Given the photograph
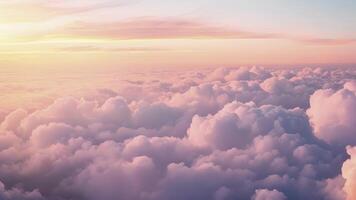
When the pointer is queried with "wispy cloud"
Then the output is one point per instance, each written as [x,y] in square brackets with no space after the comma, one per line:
[328,41]
[38,10]
[156,28]
[175,28]
[90,48]
[149,28]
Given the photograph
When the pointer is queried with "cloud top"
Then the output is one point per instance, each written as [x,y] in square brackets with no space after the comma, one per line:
[244,133]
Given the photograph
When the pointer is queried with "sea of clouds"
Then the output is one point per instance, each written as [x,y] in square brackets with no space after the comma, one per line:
[223,134]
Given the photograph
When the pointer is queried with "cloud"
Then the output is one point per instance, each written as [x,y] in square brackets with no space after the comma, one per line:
[236,125]
[263,194]
[155,28]
[349,173]
[20,9]
[93,48]
[58,20]
[332,115]
[16,193]
[326,41]
[176,28]
[229,133]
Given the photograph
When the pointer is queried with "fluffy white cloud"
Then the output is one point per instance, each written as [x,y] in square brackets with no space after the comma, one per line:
[263,194]
[333,115]
[237,124]
[349,173]
[245,133]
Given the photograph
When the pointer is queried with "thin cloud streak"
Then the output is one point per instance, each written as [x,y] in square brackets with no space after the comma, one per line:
[328,41]
[90,48]
[156,28]
[53,9]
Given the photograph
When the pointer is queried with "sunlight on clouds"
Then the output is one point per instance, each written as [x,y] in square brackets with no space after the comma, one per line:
[213,134]
[143,100]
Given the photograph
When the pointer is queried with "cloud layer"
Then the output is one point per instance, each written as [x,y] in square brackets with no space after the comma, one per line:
[244,133]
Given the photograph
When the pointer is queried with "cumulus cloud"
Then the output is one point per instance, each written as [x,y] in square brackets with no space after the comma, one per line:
[349,173]
[263,194]
[236,125]
[16,193]
[332,114]
[245,133]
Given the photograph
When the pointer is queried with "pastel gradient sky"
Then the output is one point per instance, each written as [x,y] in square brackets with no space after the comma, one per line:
[169,33]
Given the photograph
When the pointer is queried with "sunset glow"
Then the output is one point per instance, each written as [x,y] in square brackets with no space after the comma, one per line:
[177,100]
[240,32]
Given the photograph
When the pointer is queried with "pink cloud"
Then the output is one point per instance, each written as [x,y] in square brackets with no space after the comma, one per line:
[155,28]
[328,41]
[349,173]
[55,8]
[89,48]
[175,28]
[333,112]
[181,135]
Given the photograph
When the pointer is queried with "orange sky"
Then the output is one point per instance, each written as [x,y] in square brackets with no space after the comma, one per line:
[121,34]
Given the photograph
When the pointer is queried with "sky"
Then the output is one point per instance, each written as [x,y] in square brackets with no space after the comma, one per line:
[122,34]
